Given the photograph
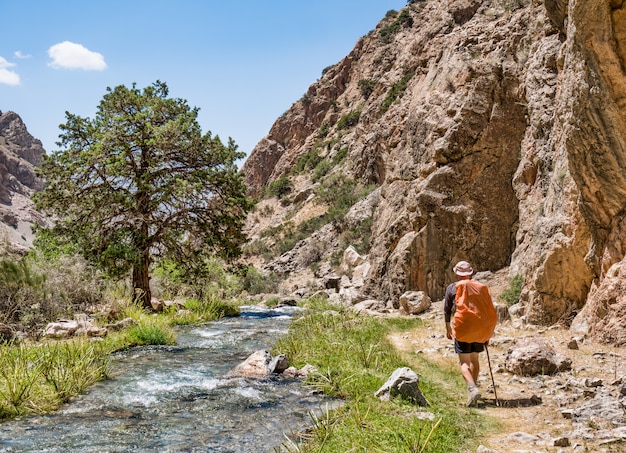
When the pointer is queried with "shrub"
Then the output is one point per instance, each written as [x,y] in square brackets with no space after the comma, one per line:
[358,236]
[321,169]
[396,91]
[256,283]
[366,86]
[349,119]
[403,20]
[281,187]
[308,161]
[340,156]
[341,193]
[323,130]
[512,293]
[39,288]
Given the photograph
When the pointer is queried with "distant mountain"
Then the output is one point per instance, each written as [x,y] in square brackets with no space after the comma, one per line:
[493,131]
[20,153]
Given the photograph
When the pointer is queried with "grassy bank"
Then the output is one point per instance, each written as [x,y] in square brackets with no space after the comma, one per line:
[38,378]
[354,359]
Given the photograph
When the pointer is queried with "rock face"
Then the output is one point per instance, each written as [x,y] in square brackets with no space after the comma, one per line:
[495,133]
[20,153]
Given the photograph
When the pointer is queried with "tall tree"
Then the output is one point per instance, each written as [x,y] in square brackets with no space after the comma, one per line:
[140,182]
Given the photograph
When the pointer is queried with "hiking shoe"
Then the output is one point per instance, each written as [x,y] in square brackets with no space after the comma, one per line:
[473,396]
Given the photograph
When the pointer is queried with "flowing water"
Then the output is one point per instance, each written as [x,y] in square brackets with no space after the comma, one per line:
[174,399]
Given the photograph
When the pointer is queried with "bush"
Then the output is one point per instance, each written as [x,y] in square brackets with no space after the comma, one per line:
[340,156]
[404,20]
[321,169]
[349,120]
[512,293]
[308,161]
[37,289]
[256,283]
[396,91]
[281,187]
[366,86]
[323,130]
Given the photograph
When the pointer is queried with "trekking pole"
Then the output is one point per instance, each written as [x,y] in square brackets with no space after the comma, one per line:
[492,379]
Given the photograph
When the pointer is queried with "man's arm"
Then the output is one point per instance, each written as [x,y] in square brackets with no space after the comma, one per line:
[448,306]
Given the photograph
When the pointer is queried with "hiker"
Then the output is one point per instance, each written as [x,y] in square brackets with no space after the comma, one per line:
[469,305]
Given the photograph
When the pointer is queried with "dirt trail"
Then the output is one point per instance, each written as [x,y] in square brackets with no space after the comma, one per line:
[526,425]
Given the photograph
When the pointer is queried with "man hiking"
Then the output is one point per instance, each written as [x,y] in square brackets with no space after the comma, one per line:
[469,306]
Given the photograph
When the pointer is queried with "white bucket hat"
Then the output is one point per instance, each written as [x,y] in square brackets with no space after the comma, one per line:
[463,269]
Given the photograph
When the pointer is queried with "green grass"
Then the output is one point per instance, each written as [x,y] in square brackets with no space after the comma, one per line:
[38,378]
[354,359]
[208,309]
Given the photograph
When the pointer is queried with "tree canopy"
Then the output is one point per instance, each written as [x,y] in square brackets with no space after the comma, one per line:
[140,182]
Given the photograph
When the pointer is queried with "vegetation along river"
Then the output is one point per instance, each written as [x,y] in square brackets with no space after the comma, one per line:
[174,399]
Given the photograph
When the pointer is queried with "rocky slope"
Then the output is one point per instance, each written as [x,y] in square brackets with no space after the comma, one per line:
[494,131]
[20,153]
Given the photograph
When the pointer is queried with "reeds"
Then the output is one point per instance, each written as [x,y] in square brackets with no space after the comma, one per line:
[38,379]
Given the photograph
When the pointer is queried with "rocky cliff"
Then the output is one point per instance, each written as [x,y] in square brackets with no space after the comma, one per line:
[20,153]
[494,131]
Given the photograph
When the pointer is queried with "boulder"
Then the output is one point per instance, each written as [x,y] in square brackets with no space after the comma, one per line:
[503,312]
[351,258]
[370,305]
[256,365]
[533,356]
[332,282]
[414,302]
[260,364]
[61,329]
[302,373]
[403,382]
[66,328]
[278,364]
[122,324]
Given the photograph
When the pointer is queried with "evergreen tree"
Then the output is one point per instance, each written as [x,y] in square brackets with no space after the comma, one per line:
[140,182]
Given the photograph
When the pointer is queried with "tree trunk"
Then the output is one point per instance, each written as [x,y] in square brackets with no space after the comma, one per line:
[141,282]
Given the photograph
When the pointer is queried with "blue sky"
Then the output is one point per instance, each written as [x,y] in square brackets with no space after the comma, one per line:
[243,63]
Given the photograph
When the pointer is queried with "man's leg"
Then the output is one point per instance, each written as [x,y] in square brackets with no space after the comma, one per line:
[474,366]
[468,366]
[469,369]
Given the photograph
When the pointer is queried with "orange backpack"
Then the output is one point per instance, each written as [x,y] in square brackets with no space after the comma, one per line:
[475,317]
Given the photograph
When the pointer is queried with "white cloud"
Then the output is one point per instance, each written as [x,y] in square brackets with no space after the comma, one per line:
[69,55]
[20,55]
[7,76]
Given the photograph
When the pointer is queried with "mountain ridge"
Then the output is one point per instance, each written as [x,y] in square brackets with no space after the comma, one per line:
[20,154]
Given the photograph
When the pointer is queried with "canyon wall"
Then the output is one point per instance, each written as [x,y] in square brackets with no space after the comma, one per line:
[496,133]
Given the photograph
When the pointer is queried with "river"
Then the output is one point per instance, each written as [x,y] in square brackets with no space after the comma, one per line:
[174,399]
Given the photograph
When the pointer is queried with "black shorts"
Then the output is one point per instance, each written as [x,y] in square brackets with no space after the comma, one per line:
[461,347]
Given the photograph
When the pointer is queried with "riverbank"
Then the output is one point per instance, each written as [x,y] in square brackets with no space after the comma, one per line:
[38,377]
[354,357]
